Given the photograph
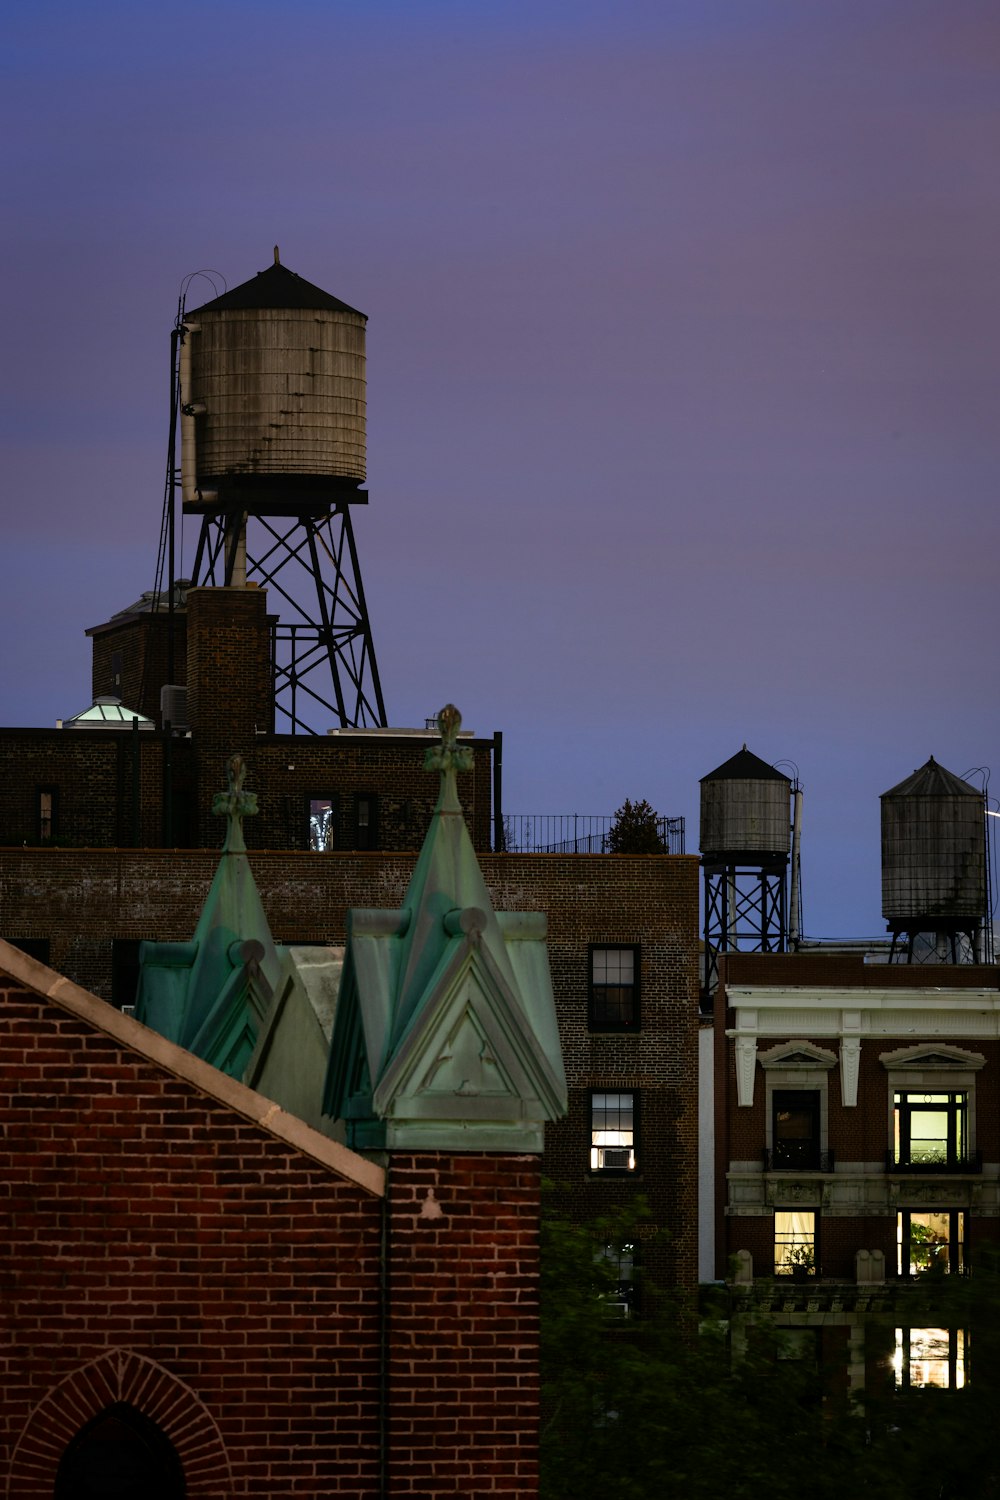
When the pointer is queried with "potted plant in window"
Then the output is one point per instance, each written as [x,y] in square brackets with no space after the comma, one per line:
[801,1262]
[928,1250]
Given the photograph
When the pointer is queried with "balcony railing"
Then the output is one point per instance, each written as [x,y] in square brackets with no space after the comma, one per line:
[793,1157]
[576,833]
[956,1165]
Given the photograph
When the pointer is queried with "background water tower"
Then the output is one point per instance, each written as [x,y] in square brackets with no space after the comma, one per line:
[935,873]
[745,839]
[270,386]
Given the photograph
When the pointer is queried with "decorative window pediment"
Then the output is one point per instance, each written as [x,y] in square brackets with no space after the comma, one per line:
[797,1055]
[932,1055]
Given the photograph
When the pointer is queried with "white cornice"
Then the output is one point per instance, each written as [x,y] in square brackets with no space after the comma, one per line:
[924,1013]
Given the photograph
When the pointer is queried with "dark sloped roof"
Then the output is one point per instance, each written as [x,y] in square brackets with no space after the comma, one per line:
[275,287]
[932,780]
[745,766]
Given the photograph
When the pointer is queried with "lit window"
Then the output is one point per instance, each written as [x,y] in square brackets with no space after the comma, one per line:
[932,1242]
[930,1357]
[931,1130]
[612,1132]
[794,1242]
[322,824]
[614,989]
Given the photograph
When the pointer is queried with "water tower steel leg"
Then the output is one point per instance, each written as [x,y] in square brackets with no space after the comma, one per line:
[368,647]
[326,633]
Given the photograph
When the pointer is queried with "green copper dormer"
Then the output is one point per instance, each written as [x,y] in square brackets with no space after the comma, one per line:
[445,1035]
[210,995]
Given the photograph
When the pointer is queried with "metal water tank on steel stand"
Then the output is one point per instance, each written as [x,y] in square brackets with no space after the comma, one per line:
[745,838]
[272,400]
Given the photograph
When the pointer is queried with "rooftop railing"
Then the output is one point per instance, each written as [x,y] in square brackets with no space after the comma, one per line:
[576,833]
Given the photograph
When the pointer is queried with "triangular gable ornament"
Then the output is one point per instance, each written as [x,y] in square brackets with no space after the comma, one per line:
[437,1043]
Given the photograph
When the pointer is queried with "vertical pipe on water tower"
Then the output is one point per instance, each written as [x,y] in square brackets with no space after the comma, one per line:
[794,925]
[188,482]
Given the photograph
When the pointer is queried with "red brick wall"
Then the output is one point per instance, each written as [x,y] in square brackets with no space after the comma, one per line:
[241,1278]
[162,1249]
[82,902]
[142,641]
[463,1298]
[92,770]
[651,900]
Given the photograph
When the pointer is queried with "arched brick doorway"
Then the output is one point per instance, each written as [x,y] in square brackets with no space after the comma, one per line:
[142,1397]
[120,1455]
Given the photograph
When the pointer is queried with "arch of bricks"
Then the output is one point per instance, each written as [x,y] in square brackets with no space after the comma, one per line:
[119,1375]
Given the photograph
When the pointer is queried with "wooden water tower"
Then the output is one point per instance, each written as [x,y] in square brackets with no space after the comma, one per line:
[935,872]
[744,839]
[271,392]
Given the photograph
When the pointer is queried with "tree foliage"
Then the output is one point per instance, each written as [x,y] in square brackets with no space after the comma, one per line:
[635,830]
[656,1408]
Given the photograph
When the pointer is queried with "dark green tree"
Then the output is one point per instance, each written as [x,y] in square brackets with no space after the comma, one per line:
[635,830]
[652,1407]
[655,1407]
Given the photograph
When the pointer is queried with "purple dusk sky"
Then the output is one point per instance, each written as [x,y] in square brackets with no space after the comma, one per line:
[683,359]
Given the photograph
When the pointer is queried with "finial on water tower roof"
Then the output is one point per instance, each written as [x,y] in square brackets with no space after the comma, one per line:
[277,256]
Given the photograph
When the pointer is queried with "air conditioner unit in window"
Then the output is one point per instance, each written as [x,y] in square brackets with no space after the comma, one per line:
[616,1157]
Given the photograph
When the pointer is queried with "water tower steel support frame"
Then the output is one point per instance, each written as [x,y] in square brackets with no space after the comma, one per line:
[954,944]
[329,642]
[268,387]
[746,911]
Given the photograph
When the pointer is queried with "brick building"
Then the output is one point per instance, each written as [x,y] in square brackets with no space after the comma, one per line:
[204,1297]
[857,1137]
[87,915]
[99,789]
[341,816]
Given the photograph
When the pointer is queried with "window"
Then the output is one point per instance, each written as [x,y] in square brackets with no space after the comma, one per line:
[930,1242]
[931,1130]
[618,1265]
[794,1242]
[366,821]
[612,1132]
[795,1128]
[116,673]
[930,1357]
[322,824]
[34,947]
[614,988]
[47,812]
[125,971]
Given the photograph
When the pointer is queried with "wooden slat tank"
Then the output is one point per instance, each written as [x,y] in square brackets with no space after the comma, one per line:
[277,383]
[744,810]
[933,848]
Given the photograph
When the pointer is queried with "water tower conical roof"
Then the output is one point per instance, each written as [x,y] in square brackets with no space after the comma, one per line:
[275,288]
[745,766]
[932,780]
